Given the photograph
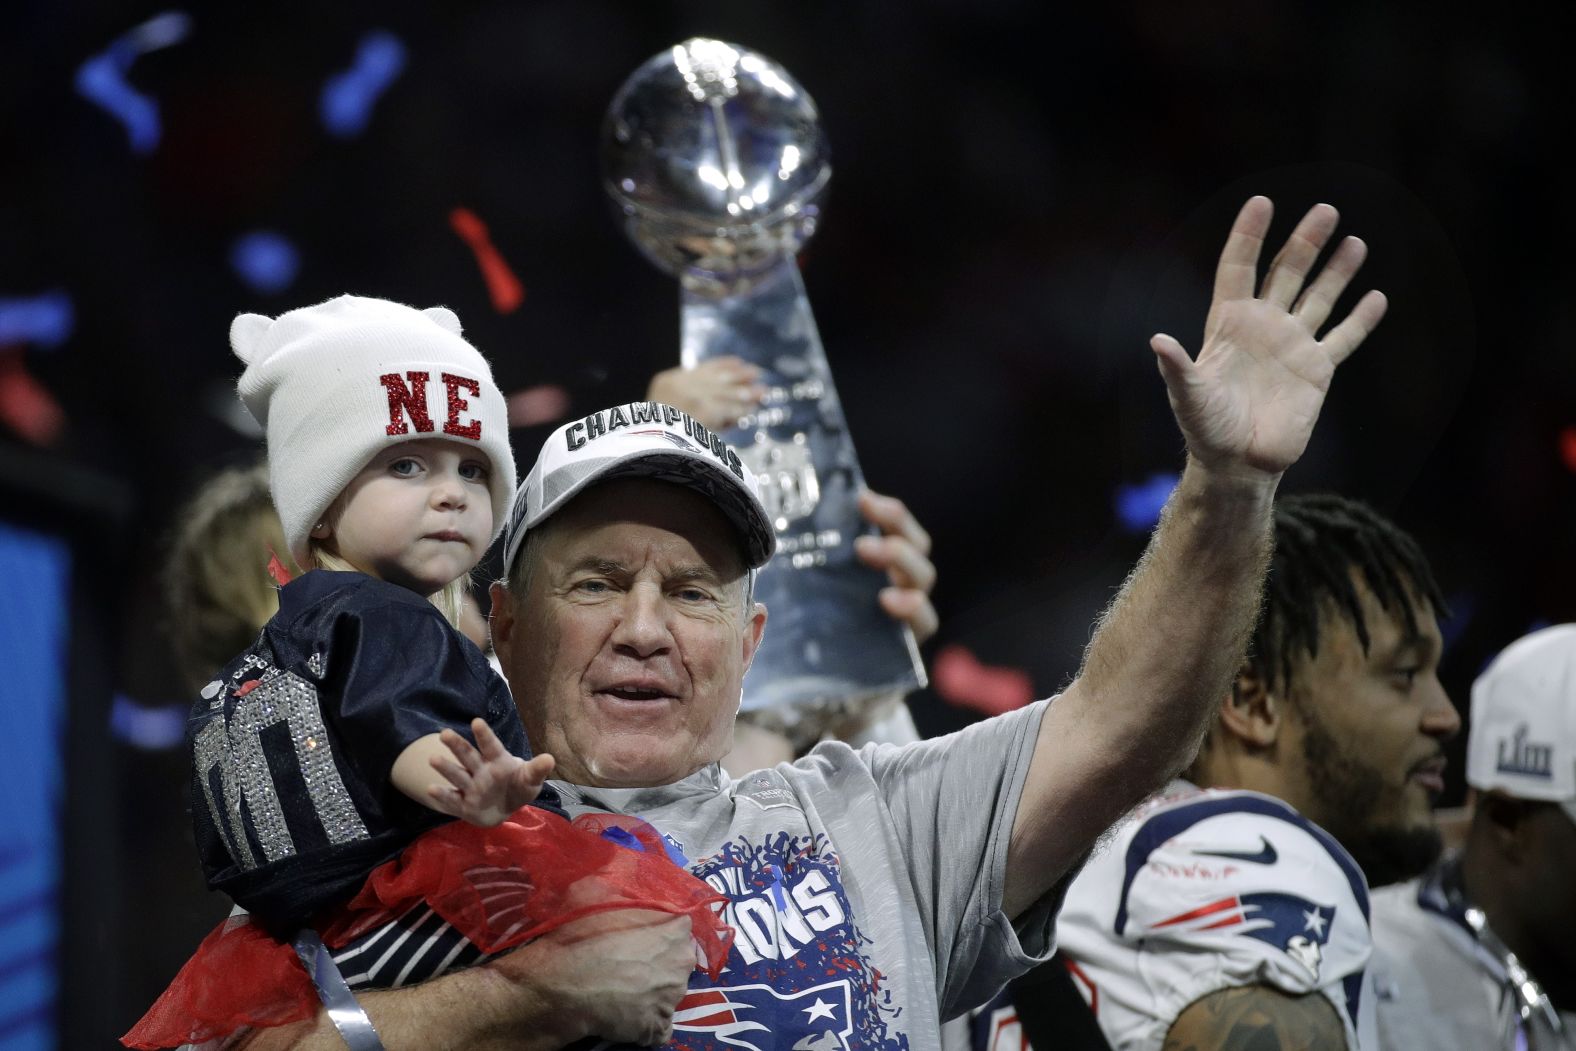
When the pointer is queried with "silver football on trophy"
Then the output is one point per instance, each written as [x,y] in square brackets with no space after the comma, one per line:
[717,160]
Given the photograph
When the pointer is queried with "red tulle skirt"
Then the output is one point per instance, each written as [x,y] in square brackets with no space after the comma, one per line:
[499,887]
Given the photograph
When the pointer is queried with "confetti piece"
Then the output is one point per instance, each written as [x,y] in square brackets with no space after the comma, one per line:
[44,320]
[1568,448]
[623,838]
[502,285]
[1138,506]
[348,98]
[962,680]
[266,261]
[150,729]
[25,406]
[101,79]
[277,569]
[545,404]
[777,887]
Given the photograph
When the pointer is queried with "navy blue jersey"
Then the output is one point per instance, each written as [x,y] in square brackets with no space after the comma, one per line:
[293,745]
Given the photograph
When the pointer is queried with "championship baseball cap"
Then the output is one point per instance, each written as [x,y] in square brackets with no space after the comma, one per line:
[1523,736]
[644,439]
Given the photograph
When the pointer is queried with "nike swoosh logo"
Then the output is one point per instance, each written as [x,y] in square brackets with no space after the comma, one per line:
[1266,856]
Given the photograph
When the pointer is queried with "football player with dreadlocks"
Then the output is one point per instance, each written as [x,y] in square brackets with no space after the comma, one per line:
[1228,910]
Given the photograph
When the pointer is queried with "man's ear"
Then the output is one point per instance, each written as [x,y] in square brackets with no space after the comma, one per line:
[754,629]
[1252,712]
[500,622]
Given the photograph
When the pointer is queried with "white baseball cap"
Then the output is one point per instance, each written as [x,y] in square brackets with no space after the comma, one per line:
[1523,736]
[644,439]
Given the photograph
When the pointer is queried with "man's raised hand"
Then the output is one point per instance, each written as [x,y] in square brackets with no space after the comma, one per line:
[1250,399]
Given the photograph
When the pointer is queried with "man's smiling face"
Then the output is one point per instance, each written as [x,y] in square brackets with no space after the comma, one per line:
[627,652]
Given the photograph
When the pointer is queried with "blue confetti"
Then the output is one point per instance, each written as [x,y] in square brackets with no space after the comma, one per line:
[266,261]
[777,887]
[1138,506]
[623,838]
[102,78]
[150,729]
[45,320]
[348,97]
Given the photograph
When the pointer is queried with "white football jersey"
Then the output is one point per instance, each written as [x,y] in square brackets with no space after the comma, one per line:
[1201,890]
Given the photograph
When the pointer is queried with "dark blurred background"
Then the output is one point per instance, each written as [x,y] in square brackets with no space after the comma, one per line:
[1023,193]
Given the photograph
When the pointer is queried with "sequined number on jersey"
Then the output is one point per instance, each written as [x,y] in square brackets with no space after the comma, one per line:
[247,771]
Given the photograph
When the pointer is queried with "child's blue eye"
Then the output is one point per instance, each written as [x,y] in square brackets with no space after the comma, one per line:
[404,467]
[473,472]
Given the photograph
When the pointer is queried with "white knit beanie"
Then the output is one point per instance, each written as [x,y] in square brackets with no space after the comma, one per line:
[333,384]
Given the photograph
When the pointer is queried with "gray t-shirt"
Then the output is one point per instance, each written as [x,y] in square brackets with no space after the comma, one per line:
[865,886]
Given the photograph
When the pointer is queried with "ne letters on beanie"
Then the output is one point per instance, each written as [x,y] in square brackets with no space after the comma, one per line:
[335,383]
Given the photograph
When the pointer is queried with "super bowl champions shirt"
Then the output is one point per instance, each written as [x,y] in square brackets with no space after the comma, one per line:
[865,887]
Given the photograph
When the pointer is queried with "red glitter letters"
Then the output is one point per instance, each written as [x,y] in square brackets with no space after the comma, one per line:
[458,404]
[412,400]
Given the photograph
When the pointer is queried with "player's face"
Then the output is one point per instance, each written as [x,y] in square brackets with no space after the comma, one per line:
[419,515]
[628,651]
[1370,728]
[1547,904]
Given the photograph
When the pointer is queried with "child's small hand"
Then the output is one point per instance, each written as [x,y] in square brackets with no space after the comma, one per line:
[486,783]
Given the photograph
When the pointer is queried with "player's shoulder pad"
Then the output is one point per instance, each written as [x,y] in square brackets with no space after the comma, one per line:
[1227,844]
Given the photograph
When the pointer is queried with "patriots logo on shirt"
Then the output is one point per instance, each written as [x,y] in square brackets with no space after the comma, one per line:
[804,979]
[756,1017]
[1296,926]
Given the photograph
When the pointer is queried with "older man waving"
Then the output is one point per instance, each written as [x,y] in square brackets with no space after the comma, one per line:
[874,892]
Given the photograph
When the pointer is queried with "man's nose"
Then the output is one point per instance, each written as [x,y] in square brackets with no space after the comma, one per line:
[1440,718]
[642,629]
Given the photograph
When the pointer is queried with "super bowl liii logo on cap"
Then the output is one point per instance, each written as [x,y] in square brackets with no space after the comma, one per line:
[608,421]
[411,401]
[1524,757]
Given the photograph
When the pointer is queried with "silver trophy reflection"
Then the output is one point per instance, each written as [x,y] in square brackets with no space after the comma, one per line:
[716,159]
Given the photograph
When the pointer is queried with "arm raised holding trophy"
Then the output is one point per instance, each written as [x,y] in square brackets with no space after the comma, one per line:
[640,569]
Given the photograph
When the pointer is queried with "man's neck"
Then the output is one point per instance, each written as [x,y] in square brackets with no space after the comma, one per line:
[1549,961]
[1232,768]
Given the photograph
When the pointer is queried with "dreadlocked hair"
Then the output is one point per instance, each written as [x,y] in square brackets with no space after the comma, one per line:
[1319,540]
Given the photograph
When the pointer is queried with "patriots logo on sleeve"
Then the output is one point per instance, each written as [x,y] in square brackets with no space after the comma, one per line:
[1296,926]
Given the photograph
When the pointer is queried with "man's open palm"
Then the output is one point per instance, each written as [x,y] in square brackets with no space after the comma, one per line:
[1251,398]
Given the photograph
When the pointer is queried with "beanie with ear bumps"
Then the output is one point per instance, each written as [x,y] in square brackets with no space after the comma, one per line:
[333,384]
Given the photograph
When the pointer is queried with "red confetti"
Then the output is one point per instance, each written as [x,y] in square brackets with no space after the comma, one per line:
[505,289]
[1568,448]
[544,404]
[25,406]
[962,680]
[247,688]
[276,568]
